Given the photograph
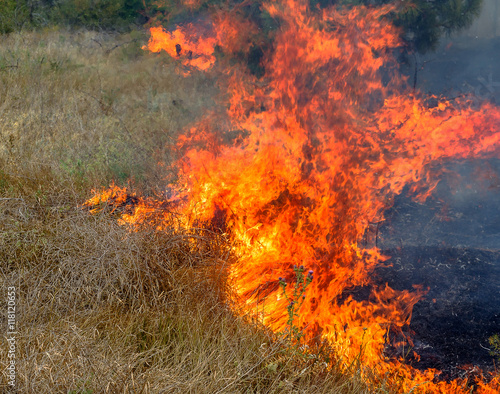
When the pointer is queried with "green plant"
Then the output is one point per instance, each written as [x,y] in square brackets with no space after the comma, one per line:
[13,15]
[295,301]
[102,14]
[317,357]
[495,346]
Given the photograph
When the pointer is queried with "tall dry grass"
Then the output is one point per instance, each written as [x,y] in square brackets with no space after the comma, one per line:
[100,308]
[92,107]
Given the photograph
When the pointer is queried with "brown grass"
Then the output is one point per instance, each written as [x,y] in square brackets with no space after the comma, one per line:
[93,107]
[104,309]
[100,308]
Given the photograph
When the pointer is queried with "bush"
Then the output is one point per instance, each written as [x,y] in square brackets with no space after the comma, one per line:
[97,14]
[13,15]
[92,14]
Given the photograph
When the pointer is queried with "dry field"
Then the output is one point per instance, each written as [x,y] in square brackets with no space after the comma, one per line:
[99,308]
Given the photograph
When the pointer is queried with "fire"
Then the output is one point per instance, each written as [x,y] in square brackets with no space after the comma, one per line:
[328,137]
[195,53]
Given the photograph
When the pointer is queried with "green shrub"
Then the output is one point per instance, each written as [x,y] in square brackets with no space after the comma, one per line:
[13,15]
[94,14]
[495,346]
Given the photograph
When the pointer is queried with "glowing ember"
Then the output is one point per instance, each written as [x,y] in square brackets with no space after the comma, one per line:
[328,140]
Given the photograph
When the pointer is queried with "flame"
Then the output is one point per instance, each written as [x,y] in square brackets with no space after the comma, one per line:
[328,137]
[192,4]
[194,51]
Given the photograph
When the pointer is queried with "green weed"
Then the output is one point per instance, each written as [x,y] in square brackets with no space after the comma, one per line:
[295,301]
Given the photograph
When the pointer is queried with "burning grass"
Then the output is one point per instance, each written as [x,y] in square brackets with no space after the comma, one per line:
[102,309]
[330,135]
[324,142]
[289,179]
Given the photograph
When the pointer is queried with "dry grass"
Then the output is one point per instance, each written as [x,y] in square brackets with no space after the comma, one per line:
[102,309]
[108,310]
[92,107]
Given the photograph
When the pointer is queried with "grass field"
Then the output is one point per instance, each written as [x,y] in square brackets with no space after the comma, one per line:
[99,308]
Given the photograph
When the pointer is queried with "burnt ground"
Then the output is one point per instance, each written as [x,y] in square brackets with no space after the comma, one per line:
[450,244]
[461,310]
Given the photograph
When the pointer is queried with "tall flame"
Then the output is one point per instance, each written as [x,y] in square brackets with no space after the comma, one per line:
[307,157]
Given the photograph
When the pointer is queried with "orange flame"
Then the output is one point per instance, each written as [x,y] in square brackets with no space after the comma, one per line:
[327,141]
[194,51]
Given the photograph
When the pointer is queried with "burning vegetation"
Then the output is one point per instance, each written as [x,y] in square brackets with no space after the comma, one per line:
[297,162]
